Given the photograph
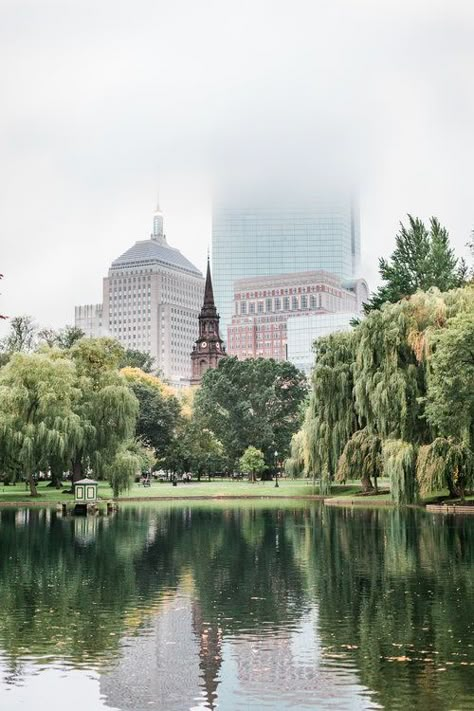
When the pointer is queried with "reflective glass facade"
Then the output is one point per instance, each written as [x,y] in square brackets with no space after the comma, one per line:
[302,332]
[279,239]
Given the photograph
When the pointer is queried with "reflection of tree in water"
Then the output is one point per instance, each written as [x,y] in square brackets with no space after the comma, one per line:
[395,594]
[64,596]
[394,590]
[69,588]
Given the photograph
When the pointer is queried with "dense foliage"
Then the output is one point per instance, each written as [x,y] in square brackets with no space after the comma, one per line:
[422,259]
[395,397]
[252,403]
[68,409]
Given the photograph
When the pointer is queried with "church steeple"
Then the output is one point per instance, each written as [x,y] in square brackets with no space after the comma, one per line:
[209,304]
[209,347]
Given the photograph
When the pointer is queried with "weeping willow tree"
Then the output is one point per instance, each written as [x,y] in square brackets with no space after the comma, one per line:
[129,460]
[394,348]
[331,418]
[404,377]
[38,425]
[295,464]
[399,465]
[107,408]
[445,463]
[361,457]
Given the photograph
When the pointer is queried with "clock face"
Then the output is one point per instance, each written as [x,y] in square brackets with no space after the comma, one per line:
[204,344]
[218,346]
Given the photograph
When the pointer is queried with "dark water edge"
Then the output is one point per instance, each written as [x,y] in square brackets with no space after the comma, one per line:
[277,606]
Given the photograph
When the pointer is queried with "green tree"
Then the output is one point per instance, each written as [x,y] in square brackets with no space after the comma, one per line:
[137,359]
[295,463]
[361,458]
[64,339]
[107,408]
[405,383]
[204,451]
[252,462]
[445,463]
[159,411]
[450,397]
[69,335]
[331,416]
[422,258]
[252,402]
[37,420]
[22,337]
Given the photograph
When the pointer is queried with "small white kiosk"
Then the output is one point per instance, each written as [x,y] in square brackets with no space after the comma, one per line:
[85,493]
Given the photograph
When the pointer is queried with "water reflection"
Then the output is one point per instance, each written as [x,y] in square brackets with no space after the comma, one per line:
[236,608]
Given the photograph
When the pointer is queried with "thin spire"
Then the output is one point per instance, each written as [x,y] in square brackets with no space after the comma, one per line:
[158,222]
[208,291]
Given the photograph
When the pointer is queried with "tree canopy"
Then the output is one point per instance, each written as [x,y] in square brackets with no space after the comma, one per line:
[252,462]
[422,259]
[38,425]
[395,397]
[252,403]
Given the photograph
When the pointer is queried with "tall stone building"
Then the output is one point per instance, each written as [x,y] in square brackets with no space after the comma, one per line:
[209,347]
[151,301]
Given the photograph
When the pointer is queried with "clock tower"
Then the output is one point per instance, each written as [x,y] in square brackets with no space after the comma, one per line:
[209,347]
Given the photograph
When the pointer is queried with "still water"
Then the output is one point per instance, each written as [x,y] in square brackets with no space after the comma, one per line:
[225,607]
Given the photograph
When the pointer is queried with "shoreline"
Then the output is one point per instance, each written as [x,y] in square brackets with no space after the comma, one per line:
[452,509]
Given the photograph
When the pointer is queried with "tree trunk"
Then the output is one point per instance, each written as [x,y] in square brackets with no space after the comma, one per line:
[366,484]
[32,485]
[76,471]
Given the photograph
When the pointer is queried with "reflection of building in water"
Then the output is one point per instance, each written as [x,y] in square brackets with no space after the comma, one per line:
[85,529]
[210,654]
[173,664]
[286,668]
[182,662]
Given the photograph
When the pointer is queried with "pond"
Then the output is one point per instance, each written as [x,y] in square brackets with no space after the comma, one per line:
[236,607]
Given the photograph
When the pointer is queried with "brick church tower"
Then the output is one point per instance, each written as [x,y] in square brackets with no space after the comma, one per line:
[209,347]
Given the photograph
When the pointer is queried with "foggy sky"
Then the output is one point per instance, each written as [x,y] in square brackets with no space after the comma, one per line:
[103,103]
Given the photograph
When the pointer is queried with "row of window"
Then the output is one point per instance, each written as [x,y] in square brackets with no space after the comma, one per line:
[289,291]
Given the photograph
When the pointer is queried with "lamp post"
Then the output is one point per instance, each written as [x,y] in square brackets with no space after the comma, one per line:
[276,471]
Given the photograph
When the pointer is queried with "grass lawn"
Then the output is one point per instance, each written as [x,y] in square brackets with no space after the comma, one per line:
[212,490]
[167,490]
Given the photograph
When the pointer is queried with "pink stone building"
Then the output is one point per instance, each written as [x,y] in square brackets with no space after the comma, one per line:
[263,305]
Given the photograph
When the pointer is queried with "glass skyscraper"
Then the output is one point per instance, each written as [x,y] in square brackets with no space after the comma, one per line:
[267,239]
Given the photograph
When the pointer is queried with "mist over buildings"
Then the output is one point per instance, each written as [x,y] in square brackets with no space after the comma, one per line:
[105,103]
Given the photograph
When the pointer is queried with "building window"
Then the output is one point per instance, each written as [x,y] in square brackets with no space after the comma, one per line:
[286,303]
[268,305]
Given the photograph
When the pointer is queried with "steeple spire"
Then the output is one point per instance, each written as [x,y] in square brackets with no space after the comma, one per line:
[158,234]
[208,290]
